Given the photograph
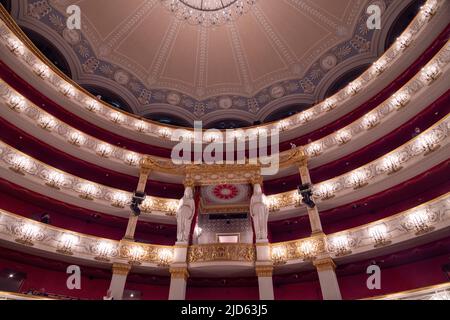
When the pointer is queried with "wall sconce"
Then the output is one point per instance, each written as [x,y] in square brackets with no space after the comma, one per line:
[92,105]
[140,126]
[379,234]
[132,159]
[172,208]
[341,245]
[305,116]
[370,121]
[104,150]
[343,136]
[164,133]
[66,243]
[354,87]
[403,41]
[27,233]
[67,89]
[420,221]
[21,164]
[77,139]
[325,191]
[283,125]
[272,203]
[308,249]
[55,180]
[279,256]
[378,67]
[428,10]
[116,117]
[88,191]
[147,205]
[314,149]
[120,200]
[428,143]
[41,70]
[17,103]
[103,250]
[16,46]
[329,104]
[358,179]
[400,99]
[431,73]
[165,257]
[391,164]
[47,122]
[135,255]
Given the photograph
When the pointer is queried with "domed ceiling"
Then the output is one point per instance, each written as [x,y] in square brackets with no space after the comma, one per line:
[159,60]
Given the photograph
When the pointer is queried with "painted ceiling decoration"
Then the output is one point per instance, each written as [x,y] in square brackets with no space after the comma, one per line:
[277,49]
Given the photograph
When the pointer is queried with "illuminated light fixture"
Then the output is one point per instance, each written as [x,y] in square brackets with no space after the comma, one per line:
[308,249]
[428,143]
[17,103]
[67,89]
[208,13]
[77,139]
[198,231]
[41,70]
[116,117]
[358,179]
[272,203]
[391,164]
[66,243]
[55,180]
[378,67]
[428,10]
[305,116]
[370,121]
[354,87]
[431,73]
[21,164]
[297,199]
[132,159]
[419,221]
[341,245]
[88,191]
[47,122]
[16,46]
[326,191]
[283,125]
[343,136]
[120,200]
[379,234]
[314,149]
[135,255]
[165,257]
[400,99]
[171,207]
[92,105]
[103,251]
[329,104]
[104,150]
[140,126]
[164,133]
[279,256]
[27,233]
[403,41]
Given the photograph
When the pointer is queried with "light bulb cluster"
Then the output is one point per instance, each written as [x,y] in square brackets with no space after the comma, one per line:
[358,179]
[104,250]
[28,233]
[20,164]
[340,245]
[88,191]
[279,255]
[120,200]
[420,221]
[47,122]
[379,235]
[66,243]
[165,257]
[391,164]
[55,179]
[77,138]
[17,103]
[135,254]
[308,249]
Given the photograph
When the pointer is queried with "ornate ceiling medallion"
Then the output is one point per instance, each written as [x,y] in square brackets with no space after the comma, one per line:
[208,12]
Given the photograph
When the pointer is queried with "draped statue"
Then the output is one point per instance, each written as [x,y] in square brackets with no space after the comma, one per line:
[259,213]
[185,214]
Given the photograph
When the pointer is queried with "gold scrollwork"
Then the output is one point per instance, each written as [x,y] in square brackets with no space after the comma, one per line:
[222,252]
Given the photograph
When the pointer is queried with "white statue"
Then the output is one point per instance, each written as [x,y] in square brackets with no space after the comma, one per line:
[185,213]
[259,213]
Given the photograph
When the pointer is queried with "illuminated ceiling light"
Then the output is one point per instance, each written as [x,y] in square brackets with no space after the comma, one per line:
[391,164]
[428,143]
[132,159]
[120,200]
[135,255]
[55,179]
[165,257]
[343,136]
[92,105]
[431,73]
[341,245]
[314,149]
[88,191]
[325,191]
[309,249]
[77,139]
[103,250]
[329,104]
[27,233]
[105,150]
[41,70]
[66,243]
[21,164]
[140,126]
[358,179]
[116,117]
[400,99]
[370,121]
[403,41]
[279,255]
[16,46]
[208,13]
[305,116]
[67,89]
[354,87]
[379,234]
[17,103]
[420,221]
[47,122]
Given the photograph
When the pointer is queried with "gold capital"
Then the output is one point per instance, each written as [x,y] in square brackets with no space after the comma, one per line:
[179,273]
[325,264]
[264,271]
[121,269]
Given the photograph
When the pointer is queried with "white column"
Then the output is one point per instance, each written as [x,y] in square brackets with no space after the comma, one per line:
[265,281]
[179,272]
[118,281]
[329,285]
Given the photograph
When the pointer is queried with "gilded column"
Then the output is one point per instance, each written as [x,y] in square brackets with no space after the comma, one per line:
[119,278]
[326,269]
[178,283]
[265,282]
